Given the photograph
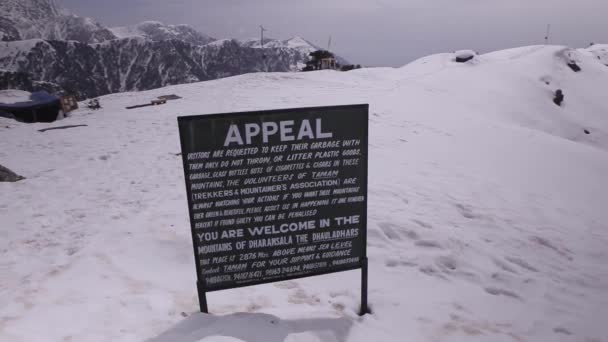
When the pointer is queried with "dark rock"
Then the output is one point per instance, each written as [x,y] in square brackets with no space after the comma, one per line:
[464,59]
[464,56]
[574,66]
[559,97]
[7,175]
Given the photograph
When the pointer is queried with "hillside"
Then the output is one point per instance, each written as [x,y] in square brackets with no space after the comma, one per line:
[486,211]
[43,46]
[43,19]
[131,64]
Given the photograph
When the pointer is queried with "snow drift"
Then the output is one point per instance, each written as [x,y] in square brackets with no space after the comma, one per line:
[487,211]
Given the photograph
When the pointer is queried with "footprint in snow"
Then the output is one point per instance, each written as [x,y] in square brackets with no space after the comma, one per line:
[466,211]
[428,244]
[301,297]
[521,263]
[287,285]
[431,271]
[501,292]
[446,263]
[389,231]
[422,224]
[395,262]
[561,330]
[504,266]
[548,244]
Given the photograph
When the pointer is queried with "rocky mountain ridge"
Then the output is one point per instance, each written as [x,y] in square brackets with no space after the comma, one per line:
[45,47]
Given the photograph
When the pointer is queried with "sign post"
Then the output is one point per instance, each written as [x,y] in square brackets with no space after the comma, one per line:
[276,195]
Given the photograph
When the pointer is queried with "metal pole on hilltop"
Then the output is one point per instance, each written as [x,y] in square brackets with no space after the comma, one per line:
[262,29]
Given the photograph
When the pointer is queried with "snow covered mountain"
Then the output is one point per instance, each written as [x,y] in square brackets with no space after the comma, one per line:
[42,19]
[296,43]
[130,64]
[49,48]
[486,221]
[158,31]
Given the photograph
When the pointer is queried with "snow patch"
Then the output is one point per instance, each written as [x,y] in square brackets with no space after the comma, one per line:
[11,96]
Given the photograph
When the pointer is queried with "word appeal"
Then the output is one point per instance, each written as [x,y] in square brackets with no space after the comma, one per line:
[285,130]
[276,195]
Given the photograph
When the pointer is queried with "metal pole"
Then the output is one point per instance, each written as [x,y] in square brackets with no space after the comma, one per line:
[262,29]
[202,298]
[364,308]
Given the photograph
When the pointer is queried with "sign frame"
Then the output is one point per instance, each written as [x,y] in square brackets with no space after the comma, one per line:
[363,264]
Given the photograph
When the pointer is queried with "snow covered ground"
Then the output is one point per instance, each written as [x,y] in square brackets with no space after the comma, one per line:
[487,211]
[12,96]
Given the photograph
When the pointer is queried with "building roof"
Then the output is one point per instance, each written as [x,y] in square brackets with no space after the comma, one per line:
[17,99]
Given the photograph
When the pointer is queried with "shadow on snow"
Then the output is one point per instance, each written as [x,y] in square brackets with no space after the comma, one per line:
[254,327]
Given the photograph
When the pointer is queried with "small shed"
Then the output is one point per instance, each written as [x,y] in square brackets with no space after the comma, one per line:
[68,103]
[35,107]
[328,63]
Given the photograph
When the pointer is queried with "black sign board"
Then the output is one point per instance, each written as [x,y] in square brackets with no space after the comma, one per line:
[276,195]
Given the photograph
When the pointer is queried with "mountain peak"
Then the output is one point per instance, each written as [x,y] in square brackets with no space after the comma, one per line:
[158,31]
[29,9]
[29,19]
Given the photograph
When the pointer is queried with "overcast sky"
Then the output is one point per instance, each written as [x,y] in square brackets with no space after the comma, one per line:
[373,32]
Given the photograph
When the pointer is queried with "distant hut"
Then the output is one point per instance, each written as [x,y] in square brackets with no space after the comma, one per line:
[321,60]
[68,103]
[329,63]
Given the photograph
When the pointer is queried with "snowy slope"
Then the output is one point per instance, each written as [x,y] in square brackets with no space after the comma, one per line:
[487,212]
[600,51]
[534,72]
[12,96]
